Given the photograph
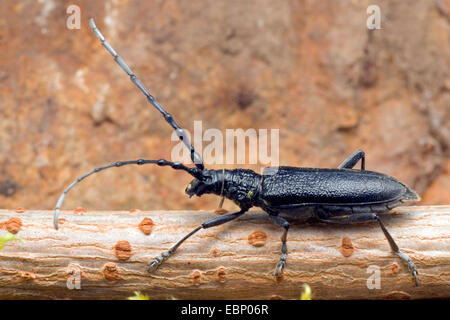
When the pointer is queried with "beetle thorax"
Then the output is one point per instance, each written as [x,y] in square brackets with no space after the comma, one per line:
[239,185]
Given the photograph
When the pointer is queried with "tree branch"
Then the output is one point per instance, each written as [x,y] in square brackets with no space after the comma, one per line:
[111,250]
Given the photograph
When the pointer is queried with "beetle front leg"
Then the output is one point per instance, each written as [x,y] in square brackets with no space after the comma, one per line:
[282,223]
[157,261]
[353,159]
[366,217]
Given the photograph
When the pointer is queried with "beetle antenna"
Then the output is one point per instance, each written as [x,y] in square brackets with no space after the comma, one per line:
[196,172]
[195,157]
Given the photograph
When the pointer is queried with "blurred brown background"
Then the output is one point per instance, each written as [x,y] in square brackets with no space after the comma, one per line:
[310,68]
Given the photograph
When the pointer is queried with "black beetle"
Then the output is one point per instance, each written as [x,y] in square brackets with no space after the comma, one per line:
[342,195]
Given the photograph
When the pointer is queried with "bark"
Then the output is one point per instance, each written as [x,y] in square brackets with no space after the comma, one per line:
[106,254]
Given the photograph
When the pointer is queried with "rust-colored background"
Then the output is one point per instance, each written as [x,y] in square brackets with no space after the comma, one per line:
[310,68]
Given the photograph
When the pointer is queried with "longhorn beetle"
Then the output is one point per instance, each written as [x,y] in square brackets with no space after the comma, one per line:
[343,195]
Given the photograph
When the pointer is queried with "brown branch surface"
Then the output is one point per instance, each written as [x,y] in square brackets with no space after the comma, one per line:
[110,251]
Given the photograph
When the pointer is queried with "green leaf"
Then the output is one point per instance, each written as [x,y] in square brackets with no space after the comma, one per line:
[8,237]
[306,294]
[139,296]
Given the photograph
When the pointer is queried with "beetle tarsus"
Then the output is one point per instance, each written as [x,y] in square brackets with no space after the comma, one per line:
[283,257]
[280,265]
[157,261]
[416,280]
[153,265]
[411,266]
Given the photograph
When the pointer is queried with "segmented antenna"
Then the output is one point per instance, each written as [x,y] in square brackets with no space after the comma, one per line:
[197,173]
[195,157]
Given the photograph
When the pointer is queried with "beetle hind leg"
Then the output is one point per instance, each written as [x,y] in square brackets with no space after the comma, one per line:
[366,217]
[282,263]
[403,256]
[353,159]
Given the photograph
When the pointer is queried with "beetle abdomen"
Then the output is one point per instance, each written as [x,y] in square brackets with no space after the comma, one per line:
[291,185]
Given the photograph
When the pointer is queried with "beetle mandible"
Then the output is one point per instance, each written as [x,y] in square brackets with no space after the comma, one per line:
[342,196]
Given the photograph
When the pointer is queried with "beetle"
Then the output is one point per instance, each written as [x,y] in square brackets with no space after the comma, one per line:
[338,196]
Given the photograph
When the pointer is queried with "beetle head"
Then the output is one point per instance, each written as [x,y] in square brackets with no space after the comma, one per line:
[207,183]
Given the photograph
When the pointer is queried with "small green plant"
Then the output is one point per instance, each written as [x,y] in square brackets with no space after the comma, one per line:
[306,294]
[8,237]
[139,296]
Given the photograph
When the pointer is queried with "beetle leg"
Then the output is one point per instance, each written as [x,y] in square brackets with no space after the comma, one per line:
[220,209]
[282,223]
[366,217]
[402,256]
[157,261]
[352,160]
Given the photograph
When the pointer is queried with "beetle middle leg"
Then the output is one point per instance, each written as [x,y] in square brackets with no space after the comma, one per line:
[157,261]
[282,223]
[353,159]
[366,217]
